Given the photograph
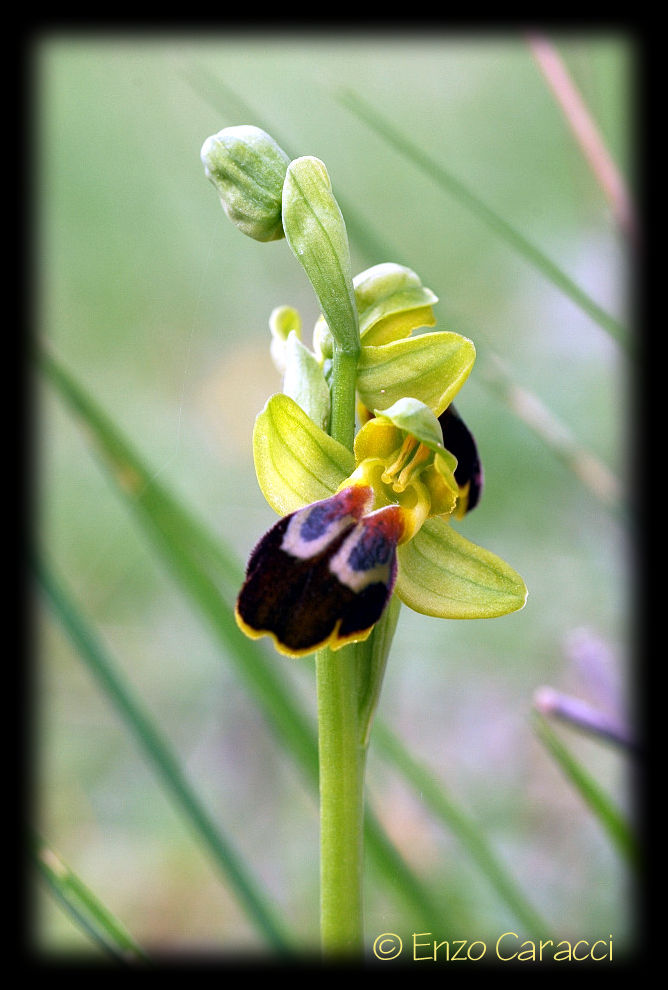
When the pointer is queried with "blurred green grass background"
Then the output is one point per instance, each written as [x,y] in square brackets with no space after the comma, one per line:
[160,307]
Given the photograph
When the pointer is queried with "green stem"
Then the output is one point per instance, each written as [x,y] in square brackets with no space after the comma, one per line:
[344,374]
[342,755]
[342,762]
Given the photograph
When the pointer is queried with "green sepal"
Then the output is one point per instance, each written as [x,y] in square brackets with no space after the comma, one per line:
[304,381]
[445,575]
[248,169]
[316,232]
[391,302]
[431,367]
[295,461]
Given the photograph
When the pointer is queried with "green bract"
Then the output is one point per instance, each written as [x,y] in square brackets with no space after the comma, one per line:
[316,232]
[440,573]
[303,376]
[248,168]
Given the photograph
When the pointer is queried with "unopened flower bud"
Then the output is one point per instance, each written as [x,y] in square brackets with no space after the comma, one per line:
[248,168]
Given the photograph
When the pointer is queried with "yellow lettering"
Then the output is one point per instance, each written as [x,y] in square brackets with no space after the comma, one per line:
[437,946]
[481,953]
[498,945]
[417,935]
[528,955]
[461,942]
[580,958]
[598,958]
[544,945]
[564,953]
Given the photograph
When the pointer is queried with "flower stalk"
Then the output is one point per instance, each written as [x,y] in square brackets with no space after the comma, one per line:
[365,517]
[342,763]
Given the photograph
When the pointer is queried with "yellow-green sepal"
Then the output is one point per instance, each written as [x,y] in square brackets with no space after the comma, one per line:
[392,302]
[445,575]
[295,461]
[431,367]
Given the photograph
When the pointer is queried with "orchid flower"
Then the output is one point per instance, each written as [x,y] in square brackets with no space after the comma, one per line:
[359,526]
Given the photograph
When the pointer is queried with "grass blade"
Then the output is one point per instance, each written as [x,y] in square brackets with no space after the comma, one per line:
[163,760]
[585,131]
[608,816]
[497,224]
[86,910]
